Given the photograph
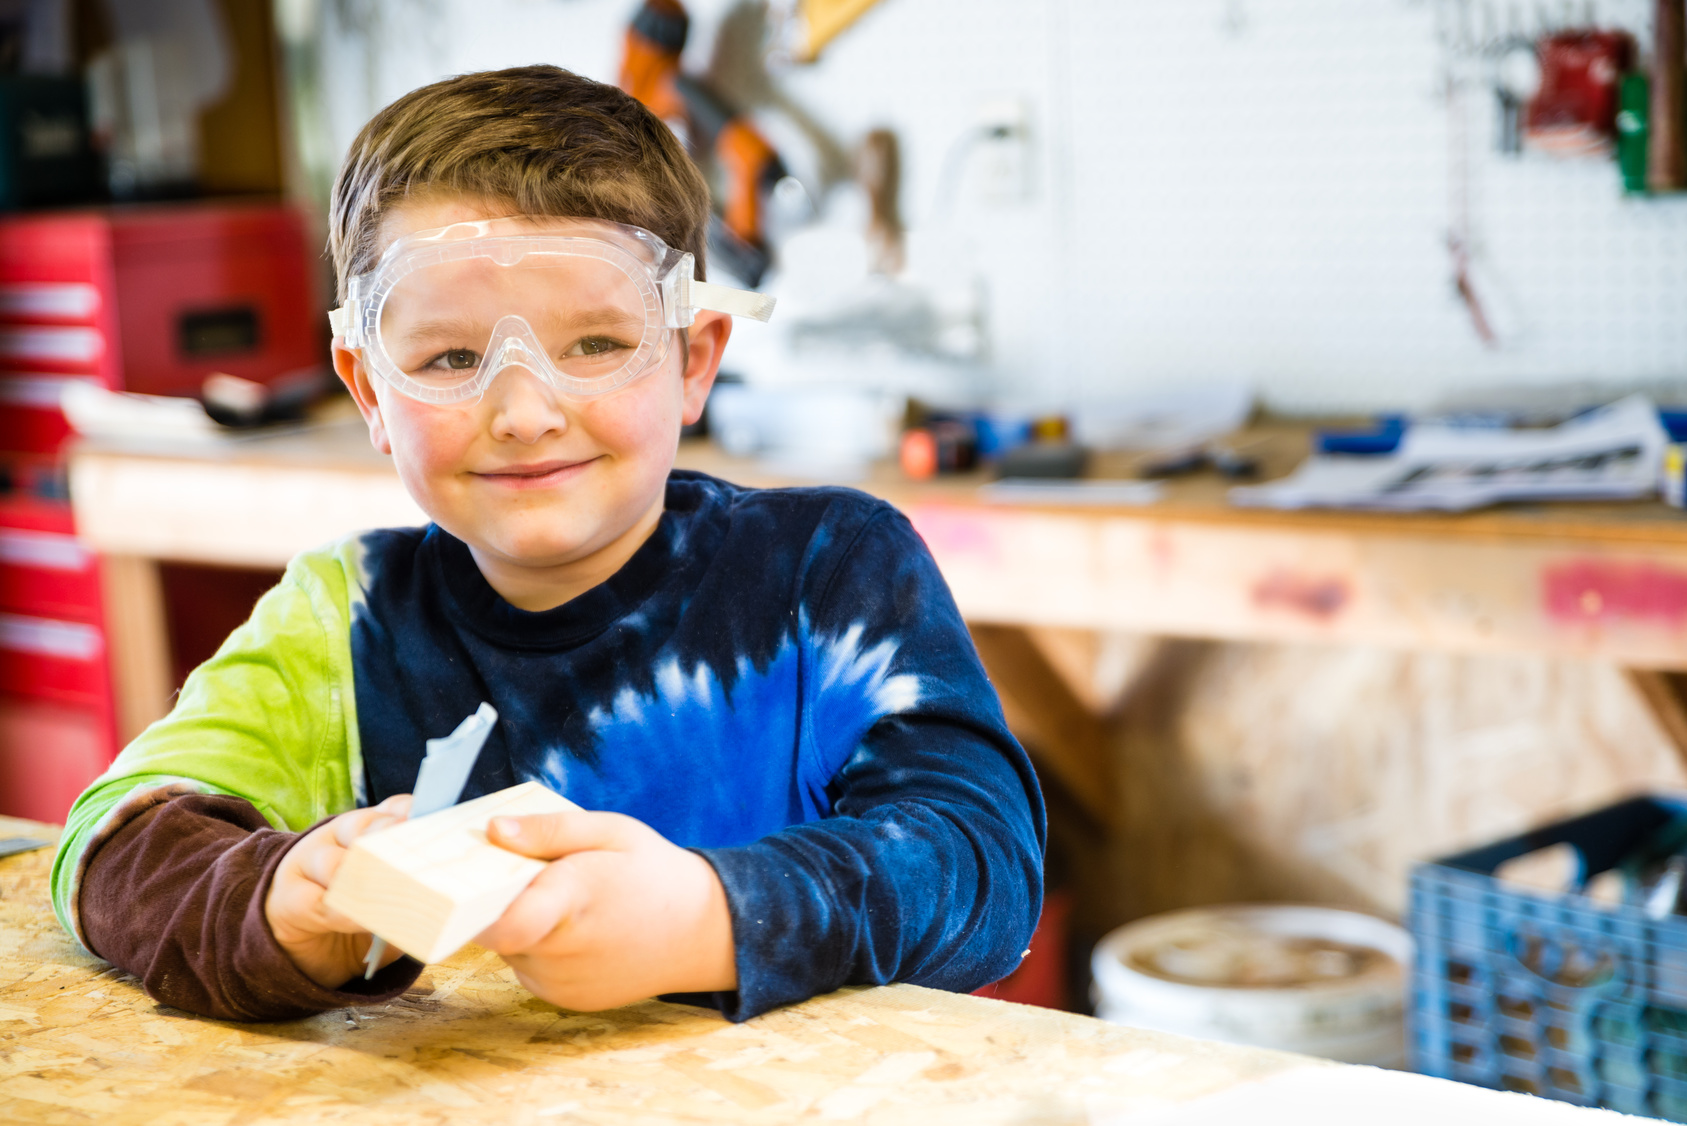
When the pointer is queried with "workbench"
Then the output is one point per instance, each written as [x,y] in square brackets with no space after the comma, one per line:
[80,1042]
[1604,581]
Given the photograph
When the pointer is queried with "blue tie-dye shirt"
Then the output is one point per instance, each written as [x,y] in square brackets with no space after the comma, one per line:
[777,678]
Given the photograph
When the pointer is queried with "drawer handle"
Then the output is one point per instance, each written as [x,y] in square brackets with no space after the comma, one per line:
[47,637]
[73,345]
[50,551]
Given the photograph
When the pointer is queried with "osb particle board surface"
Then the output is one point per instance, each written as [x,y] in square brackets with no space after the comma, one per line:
[79,1042]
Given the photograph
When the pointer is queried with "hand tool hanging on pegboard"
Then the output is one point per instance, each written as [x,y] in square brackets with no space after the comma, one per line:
[720,138]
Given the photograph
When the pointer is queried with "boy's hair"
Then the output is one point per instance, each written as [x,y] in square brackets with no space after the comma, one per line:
[540,139]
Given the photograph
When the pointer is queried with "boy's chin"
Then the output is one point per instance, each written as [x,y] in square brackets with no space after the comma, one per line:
[539,552]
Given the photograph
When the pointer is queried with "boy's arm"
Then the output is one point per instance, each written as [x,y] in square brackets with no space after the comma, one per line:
[930,868]
[176,897]
[167,856]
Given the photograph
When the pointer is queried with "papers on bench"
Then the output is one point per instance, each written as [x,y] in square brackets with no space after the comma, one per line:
[1612,453]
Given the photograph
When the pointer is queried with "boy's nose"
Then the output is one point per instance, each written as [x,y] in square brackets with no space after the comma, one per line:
[524,407]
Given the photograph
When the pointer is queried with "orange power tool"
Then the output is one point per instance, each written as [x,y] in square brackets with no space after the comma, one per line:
[720,138]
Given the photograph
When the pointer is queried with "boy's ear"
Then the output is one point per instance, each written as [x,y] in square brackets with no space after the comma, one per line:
[705,341]
[349,367]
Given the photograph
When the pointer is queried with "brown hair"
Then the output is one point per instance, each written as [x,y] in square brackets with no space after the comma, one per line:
[540,139]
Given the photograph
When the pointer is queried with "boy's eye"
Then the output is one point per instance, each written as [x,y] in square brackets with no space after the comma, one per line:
[451,361]
[594,346]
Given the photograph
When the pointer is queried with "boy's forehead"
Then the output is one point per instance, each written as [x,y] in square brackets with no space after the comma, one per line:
[432,213]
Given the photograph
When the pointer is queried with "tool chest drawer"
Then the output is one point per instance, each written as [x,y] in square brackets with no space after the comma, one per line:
[49,754]
[48,574]
[52,659]
[31,420]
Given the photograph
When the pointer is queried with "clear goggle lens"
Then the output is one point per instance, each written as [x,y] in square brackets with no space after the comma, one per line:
[581,322]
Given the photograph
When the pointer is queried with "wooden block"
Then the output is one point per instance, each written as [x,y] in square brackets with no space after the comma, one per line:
[430,885]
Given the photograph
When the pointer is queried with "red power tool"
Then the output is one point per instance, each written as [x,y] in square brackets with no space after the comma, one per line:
[720,138]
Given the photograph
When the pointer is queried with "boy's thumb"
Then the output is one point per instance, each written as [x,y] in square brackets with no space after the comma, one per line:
[551,836]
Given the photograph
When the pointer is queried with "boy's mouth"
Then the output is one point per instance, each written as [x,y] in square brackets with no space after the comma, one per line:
[535,475]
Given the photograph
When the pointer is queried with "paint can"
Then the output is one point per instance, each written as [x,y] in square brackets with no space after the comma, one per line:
[1315,980]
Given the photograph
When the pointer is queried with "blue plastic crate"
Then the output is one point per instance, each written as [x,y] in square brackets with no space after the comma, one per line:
[1556,995]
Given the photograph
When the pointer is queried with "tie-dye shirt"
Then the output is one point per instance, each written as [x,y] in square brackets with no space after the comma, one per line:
[777,678]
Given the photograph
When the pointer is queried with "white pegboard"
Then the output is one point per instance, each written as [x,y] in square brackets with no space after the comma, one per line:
[1221,188]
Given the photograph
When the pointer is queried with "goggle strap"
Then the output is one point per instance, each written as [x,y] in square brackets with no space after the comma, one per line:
[725,299]
[340,321]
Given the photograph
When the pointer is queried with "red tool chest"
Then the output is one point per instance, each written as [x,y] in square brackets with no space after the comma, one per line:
[149,299]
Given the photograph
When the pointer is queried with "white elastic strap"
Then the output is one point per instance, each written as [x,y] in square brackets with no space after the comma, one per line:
[725,299]
[340,321]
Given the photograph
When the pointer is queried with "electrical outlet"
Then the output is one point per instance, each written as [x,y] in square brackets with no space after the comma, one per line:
[1001,165]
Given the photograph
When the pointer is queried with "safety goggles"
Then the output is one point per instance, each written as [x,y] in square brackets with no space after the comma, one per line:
[587,306]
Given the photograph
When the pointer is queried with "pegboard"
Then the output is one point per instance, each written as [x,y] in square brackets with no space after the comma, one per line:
[1219,189]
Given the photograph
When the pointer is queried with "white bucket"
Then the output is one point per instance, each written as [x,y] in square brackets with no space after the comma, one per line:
[1315,980]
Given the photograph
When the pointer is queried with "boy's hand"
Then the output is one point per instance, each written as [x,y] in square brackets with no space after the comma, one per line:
[326,946]
[619,915]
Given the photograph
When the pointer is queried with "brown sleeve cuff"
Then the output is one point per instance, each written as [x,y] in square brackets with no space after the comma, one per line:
[176,897]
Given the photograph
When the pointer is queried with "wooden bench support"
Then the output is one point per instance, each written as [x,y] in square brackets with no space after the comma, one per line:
[1665,696]
[1064,734]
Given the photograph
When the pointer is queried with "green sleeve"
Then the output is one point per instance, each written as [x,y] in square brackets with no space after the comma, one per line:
[271,718]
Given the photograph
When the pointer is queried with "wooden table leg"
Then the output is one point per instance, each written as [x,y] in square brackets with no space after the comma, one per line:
[1665,696]
[1070,740]
[137,641]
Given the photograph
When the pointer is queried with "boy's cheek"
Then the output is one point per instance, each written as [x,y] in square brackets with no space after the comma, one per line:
[428,441]
[643,418]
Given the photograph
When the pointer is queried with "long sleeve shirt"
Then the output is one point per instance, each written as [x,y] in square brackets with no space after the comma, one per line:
[777,679]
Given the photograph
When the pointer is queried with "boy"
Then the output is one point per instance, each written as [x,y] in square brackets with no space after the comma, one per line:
[803,775]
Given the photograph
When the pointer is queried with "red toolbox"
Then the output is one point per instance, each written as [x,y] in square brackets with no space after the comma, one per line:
[150,299]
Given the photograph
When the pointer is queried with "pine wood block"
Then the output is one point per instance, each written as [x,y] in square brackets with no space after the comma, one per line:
[430,885]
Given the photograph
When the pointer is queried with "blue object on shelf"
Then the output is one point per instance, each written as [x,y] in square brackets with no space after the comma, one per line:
[1553,994]
[1382,438]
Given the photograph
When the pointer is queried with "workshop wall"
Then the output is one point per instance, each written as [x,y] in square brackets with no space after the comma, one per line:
[1214,189]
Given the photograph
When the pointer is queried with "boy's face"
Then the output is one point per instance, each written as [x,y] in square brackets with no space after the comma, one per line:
[530,480]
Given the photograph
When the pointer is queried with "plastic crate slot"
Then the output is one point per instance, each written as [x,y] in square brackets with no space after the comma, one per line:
[1517,1047]
[1617,1027]
[1672,1107]
[1565,1080]
[1622,1072]
[1668,1065]
[1515,1008]
[1460,973]
[1462,1053]
[1558,1036]
[1520,1083]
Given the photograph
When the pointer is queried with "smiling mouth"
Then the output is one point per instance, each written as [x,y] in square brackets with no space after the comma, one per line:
[535,475]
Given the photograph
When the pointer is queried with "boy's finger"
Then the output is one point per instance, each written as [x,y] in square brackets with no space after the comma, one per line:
[318,865]
[535,913]
[350,826]
[550,836]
